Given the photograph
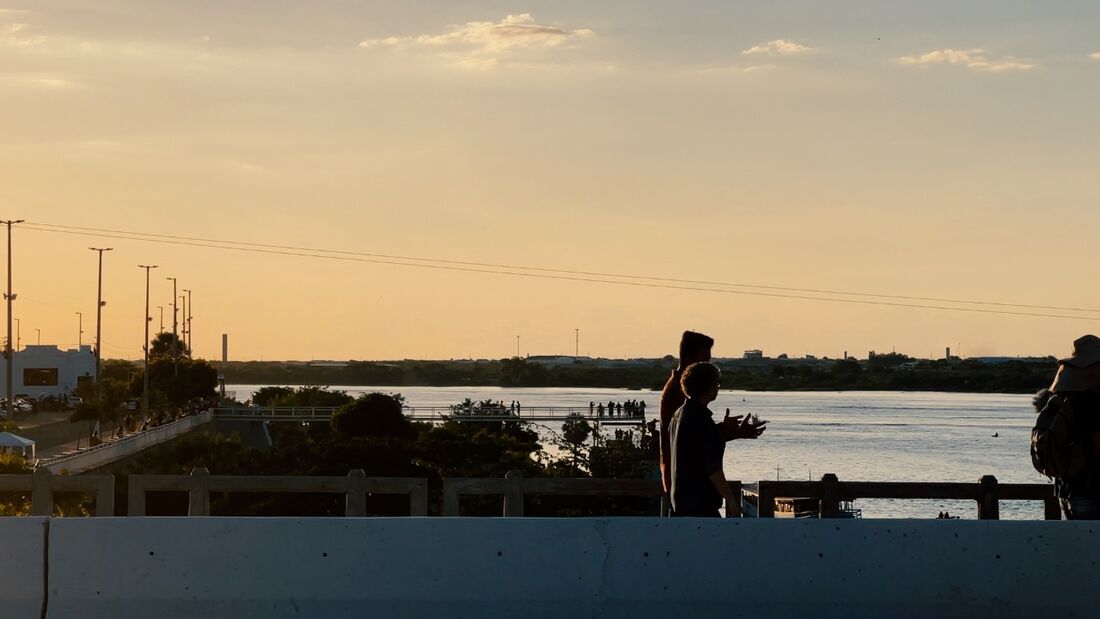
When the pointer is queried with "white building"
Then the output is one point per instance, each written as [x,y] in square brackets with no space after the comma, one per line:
[47,370]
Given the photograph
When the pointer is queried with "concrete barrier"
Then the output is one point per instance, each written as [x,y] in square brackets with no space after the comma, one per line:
[23,568]
[106,453]
[630,568]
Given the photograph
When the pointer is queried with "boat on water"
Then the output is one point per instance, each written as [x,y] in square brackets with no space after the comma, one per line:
[793,507]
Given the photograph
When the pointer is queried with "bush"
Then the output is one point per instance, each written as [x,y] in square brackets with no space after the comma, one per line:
[373,415]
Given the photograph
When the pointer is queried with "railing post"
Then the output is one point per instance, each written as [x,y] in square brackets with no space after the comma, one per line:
[513,494]
[989,507]
[1051,509]
[666,506]
[135,496]
[199,498]
[735,486]
[830,496]
[105,496]
[356,505]
[41,493]
[418,498]
[450,498]
[765,500]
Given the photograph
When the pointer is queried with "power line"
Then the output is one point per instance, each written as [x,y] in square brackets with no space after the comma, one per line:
[579,277]
[311,250]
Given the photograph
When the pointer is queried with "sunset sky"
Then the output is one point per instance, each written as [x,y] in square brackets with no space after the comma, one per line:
[931,149]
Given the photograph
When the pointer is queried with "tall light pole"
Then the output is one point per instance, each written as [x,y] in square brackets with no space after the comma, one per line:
[99,303]
[175,325]
[38,332]
[578,334]
[148,319]
[517,347]
[79,330]
[187,318]
[8,355]
[18,334]
[161,308]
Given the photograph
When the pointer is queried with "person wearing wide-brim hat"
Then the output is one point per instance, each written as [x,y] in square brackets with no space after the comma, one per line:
[1078,381]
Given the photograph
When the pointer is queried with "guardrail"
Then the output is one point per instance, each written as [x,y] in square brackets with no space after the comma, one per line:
[830,491]
[514,487]
[42,485]
[200,483]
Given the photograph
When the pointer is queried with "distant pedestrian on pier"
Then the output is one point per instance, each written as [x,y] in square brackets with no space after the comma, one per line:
[599,410]
[697,445]
[1065,442]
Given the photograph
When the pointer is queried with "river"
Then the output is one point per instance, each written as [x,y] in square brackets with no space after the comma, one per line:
[858,435]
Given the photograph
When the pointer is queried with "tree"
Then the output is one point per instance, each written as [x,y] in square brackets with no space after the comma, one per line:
[268,396]
[373,415]
[166,346]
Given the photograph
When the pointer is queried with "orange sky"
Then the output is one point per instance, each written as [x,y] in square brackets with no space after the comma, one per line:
[896,150]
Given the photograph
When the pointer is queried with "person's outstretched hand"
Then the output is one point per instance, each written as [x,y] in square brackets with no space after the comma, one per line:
[731,425]
[740,426]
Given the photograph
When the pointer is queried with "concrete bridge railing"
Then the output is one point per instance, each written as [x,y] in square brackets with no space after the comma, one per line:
[514,488]
[501,568]
[111,451]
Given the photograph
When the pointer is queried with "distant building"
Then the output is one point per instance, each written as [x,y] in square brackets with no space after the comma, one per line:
[753,354]
[556,360]
[46,370]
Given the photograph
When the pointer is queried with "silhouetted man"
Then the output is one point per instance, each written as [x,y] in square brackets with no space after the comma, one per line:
[694,348]
[697,445]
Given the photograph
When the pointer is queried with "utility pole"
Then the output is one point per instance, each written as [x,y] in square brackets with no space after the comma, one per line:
[148,319]
[9,356]
[190,310]
[187,321]
[183,319]
[175,325]
[161,308]
[79,330]
[99,303]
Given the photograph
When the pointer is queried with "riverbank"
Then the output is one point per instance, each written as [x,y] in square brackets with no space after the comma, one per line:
[882,373]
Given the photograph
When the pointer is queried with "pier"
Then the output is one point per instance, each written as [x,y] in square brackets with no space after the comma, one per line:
[433,414]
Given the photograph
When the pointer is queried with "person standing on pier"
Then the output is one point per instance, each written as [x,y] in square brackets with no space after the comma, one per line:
[1074,404]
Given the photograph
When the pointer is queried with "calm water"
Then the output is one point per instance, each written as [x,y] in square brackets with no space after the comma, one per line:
[866,436]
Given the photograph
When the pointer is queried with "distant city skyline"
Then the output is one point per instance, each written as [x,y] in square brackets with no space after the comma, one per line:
[936,150]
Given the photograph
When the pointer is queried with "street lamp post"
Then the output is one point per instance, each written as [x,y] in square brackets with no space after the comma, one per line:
[161,308]
[79,330]
[38,334]
[175,326]
[148,319]
[9,356]
[187,320]
[99,303]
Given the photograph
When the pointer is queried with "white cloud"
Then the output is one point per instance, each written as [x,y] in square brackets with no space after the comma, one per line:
[18,35]
[738,70]
[479,45]
[974,59]
[1095,55]
[779,47]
